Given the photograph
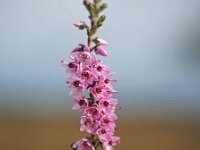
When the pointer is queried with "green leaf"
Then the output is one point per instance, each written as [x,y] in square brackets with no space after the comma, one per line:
[100,21]
[97,143]
[88,6]
[97,1]
[89,33]
[103,7]
[86,2]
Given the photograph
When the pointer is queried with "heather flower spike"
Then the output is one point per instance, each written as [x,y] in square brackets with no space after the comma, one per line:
[87,74]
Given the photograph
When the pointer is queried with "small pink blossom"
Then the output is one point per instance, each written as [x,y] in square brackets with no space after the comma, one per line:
[108,105]
[93,111]
[105,79]
[89,124]
[88,76]
[77,88]
[105,133]
[80,104]
[110,140]
[83,144]
[72,68]
[99,92]
[84,56]
[108,120]
[99,68]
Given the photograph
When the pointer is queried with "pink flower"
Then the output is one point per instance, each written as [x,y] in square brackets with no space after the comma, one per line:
[108,105]
[104,79]
[108,120]
[83,144]
[82,55]
[99,68]
[93,111]
[110,90]
[77,88]
[99,92]
[89,124]
[104,133]
[101,51]
[86,57]
[111,140]
[81,104]
[72,68]
[88,76]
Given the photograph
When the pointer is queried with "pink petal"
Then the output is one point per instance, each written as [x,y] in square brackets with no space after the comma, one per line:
[107,146]
[76,107]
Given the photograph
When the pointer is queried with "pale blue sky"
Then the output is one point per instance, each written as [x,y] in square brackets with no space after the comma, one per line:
[154,49]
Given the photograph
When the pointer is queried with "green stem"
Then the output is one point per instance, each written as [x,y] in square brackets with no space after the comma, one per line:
[93,18]
[92,100]
[94,10]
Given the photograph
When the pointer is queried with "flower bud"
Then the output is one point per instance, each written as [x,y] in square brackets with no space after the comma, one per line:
[80,25]
[101,51]
[100,41]
[77,49]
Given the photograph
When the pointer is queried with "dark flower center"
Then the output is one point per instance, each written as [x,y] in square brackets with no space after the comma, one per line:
[85,144]
[82,103]
[87,75]
[106,121]
[71,65]
[99,68]
[89,123]
[76,83]
[93,111]
[98,90]
[85,56]
[94,84]
[106,81]
[103,131]
[105,103]
[110,142]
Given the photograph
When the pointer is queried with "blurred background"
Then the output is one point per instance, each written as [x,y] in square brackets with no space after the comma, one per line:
[154,48]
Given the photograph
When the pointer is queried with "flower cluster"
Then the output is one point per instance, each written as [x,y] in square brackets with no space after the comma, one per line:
[88,74]
[90,83]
